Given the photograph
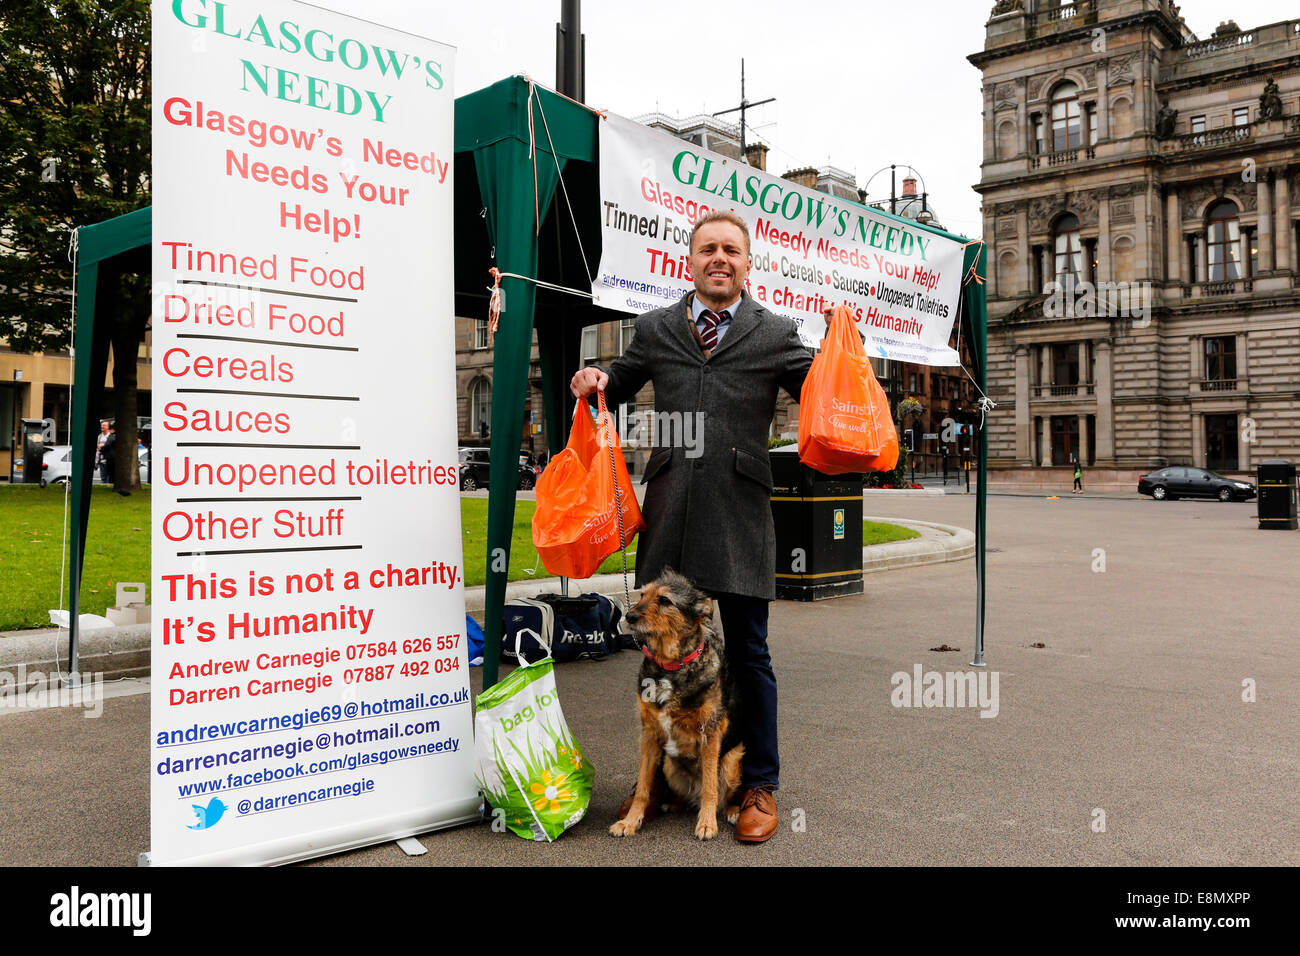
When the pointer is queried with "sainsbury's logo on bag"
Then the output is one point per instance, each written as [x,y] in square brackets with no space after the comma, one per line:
[526,714]
[848,423]
[596,521]
[842,406]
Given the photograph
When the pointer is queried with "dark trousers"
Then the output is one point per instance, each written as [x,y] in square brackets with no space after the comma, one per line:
[744,631]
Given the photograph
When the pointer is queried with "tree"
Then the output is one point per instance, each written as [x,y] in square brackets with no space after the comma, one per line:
[74,149]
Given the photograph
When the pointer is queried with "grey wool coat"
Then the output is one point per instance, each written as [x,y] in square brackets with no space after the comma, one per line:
[707,507]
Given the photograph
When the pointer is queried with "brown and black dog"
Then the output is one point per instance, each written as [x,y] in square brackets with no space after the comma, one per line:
[688,706]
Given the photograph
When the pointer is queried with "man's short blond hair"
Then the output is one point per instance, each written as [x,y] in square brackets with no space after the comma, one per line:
[719,215]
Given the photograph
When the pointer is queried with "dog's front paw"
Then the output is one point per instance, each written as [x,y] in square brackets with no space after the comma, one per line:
[627,826]
[706,827]
[732,813]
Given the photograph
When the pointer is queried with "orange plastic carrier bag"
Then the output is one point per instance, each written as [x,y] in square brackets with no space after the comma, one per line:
[576,524]
[844,420]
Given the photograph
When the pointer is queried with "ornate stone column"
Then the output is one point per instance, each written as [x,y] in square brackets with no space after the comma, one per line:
[1105,267]
[1265,203]
[1282,222]
[1103,107]
[1174,235]
[1026,274]
[1105,405]
[1024,441]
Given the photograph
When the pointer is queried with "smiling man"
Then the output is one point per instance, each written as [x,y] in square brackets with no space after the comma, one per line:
[720,356]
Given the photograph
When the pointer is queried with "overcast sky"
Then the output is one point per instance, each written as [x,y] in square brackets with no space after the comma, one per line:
[854,89]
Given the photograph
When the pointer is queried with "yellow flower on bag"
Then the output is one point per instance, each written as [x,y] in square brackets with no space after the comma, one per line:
[574,755]
[551,790]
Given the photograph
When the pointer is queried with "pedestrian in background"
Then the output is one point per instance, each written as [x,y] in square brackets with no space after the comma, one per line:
[107,452]
[100,440]
[1078,477]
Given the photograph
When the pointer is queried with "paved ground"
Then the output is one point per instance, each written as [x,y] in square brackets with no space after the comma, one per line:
[1133,707]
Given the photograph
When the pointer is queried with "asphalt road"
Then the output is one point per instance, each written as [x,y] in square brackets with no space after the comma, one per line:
[1130,714]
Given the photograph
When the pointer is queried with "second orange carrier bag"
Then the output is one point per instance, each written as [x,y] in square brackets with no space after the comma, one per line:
[844,420]
[576,524]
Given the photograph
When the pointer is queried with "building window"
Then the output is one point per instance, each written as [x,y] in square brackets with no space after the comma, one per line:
[1090,114]
[1066,130]
[1221,360]
[1221,442]
[1198,124]
[1039,145]
[1065,439]
[1224,250]
[1068,248]
[590,340]
[480,408]
[625,330]
[1065,368]
[480,333]
[1241,116]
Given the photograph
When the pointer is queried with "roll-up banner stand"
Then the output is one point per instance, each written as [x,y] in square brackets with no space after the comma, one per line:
[310,679]
[811,250]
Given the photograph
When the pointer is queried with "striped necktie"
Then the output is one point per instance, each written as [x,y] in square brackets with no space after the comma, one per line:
[709,333]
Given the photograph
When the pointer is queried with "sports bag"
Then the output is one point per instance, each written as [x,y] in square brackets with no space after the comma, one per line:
[844,421]
[576,524]
[586,626]
[527,628]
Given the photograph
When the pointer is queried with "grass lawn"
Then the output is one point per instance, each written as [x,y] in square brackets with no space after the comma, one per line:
[31,521]
[31,528]
[877,532]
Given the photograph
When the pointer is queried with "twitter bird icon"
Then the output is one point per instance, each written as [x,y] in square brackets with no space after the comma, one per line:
[209,815]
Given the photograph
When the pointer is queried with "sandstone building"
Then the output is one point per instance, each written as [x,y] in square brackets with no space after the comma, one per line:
[1154,178]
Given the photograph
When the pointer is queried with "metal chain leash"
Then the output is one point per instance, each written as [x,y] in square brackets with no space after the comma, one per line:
[618,497]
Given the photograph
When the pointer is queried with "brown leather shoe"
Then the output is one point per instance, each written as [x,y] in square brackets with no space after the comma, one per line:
[757,820]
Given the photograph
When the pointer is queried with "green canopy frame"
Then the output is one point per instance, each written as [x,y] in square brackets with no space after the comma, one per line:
[104,252]
[527,194]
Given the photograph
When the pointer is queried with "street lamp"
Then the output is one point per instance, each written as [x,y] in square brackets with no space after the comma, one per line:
[865,191]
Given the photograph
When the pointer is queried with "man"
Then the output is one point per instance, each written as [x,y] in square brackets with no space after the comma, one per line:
[720,356]
[107,453]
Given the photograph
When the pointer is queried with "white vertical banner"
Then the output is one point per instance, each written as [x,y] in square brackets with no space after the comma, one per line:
[310,675]
[811,250]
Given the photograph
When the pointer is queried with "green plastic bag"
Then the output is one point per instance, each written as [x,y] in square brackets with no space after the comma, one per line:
[530,769]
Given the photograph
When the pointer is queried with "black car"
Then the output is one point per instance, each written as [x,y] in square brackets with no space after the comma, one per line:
[474,467]
[1183,482]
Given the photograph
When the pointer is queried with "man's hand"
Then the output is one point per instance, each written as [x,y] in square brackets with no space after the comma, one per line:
[588,380]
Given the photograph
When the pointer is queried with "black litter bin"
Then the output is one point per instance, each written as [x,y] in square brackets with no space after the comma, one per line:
[818,522]
[1277,494]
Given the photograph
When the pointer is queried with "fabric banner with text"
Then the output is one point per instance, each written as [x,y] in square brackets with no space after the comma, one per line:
[811,250]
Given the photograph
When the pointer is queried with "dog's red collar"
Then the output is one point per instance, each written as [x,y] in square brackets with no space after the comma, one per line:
[674,665]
